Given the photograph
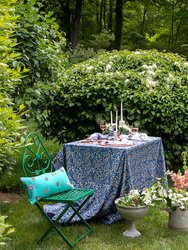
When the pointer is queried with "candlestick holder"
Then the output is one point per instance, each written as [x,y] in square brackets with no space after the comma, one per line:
[116,135]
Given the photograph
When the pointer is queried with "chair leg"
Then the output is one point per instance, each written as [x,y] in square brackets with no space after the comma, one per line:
[54,223]
[78,209]
[54,226]
[76,212]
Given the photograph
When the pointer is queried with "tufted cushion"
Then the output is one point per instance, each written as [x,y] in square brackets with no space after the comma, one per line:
[44,185]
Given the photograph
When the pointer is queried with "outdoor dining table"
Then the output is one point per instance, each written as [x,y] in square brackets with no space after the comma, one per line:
[111,170]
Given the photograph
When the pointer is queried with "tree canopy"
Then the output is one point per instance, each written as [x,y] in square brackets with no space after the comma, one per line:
[160,24]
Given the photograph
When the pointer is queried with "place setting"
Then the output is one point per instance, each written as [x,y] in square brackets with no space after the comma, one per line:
[116,133]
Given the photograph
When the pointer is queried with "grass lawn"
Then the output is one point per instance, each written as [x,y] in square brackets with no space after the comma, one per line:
[30,225]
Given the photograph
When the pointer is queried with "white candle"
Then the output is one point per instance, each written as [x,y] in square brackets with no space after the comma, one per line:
[121,111]
[116,121]
[111,119]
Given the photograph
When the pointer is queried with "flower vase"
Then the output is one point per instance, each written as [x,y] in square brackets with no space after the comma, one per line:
[131,214]
[178,219]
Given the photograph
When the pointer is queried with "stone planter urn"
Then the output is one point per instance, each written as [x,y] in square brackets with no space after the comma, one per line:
[131,214]
[178,219]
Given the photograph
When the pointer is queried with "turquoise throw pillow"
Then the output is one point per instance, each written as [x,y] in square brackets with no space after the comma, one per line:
[42,186]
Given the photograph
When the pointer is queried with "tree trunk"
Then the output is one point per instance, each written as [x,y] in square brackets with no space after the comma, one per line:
[118,24]
[101,15]
[104,13]
[178,32]
[76,23]
[143,24]
[110,16]
[97,12]
[171,38]
[67,19]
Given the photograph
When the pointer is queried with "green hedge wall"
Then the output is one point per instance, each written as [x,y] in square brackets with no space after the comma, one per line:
[152,85]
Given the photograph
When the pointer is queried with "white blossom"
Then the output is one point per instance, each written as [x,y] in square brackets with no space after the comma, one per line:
[186,64]
[177,64]
[3,64]
[151,72]
[90,67]
[134,192]
[151,83]
[108,66]
[126,82]
[144,66]
[170,76]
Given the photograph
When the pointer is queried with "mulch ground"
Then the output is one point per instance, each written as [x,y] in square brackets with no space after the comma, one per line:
[8,197]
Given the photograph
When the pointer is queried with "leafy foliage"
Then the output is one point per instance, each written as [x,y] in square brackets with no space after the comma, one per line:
[10,77]
[81,53]
[103,40]
[151,84]
[41,47]
[5,230]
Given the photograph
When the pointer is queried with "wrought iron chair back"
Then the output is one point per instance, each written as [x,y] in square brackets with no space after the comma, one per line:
[36,159]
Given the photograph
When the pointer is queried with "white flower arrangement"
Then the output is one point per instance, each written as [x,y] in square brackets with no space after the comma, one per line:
[175,195]
[124,129]
[136,198]
[158,192]
[108,127]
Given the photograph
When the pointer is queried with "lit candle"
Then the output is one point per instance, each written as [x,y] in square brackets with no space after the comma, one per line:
[116,121]
[121,111]
[111,119]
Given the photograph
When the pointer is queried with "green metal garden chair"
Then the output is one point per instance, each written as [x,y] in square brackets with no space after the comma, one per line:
[44,184]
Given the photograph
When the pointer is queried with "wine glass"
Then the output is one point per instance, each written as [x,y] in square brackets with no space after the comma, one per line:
[102,126]
[134,128]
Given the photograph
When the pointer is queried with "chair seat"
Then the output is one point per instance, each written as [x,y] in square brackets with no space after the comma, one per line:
[70,196]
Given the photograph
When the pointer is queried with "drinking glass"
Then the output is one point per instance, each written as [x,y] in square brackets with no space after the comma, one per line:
[102,126]
[134,128]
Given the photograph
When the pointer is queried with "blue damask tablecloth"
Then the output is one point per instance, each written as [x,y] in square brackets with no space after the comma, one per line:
[111,171]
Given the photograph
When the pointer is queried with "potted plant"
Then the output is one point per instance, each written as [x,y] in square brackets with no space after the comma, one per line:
[133,206]
[175,197]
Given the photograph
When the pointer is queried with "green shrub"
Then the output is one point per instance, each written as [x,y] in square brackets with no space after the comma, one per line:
[10,77]
[151,84]
[41,48]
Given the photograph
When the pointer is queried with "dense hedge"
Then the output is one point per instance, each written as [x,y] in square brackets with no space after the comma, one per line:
[152,85]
